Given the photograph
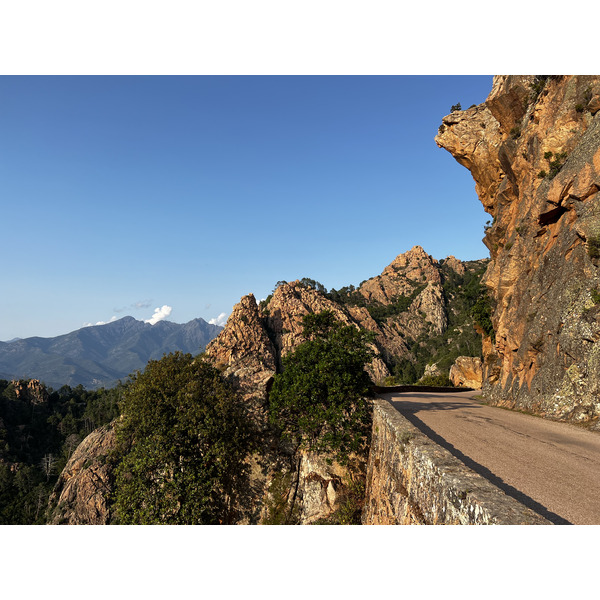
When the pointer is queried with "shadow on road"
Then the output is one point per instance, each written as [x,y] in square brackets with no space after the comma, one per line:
[408,413]
[405,406]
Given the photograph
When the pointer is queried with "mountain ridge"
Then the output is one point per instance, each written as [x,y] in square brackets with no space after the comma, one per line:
[101,355]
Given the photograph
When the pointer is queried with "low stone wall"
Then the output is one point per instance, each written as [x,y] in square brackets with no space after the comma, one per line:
[412,480]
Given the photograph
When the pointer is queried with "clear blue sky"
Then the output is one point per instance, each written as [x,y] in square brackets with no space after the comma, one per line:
[123,194]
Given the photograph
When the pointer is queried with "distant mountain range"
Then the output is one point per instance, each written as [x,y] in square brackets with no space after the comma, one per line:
[100,355]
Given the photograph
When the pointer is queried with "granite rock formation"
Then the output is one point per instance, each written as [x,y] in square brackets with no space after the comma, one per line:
[249,350]
[80,496]
[466,372]
[257,337]
[245,353]
[533,148]
[32,391]
[404,305]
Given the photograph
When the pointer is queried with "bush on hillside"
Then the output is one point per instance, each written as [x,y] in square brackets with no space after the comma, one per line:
[320,401]
[181,444]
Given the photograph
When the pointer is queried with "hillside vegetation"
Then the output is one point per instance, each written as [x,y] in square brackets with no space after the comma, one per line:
[40,428]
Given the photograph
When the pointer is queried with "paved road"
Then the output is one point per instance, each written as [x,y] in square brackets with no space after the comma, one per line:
[554,468]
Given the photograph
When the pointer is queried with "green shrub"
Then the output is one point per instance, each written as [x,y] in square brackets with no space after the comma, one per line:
[263,303]
[557,164]
[482,313]
[400,304]
[593,246]
[320,401]
[538,84]
[436,381]
[279,510]
[456,106]
[181,445]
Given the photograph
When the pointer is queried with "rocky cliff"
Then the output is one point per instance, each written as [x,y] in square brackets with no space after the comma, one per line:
[533,148]
[414,276]
[403,306]
[81,494]
[414,299]
[249,350]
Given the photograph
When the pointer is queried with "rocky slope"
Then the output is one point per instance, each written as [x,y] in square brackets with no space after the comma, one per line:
[533,149]
[404,304]
[80,496]
[249,350]
[415,276]
[413,299]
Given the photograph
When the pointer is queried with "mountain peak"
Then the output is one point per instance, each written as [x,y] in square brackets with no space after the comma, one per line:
[101,355]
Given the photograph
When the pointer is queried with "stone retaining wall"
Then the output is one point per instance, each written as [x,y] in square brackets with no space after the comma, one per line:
[412,480]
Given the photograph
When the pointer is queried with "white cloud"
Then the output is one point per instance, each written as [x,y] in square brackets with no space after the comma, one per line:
[142,304]
[159,314]
[220,320]
[113,318]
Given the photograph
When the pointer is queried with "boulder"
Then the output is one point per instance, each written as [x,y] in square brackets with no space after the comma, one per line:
[466,372]
[80,496]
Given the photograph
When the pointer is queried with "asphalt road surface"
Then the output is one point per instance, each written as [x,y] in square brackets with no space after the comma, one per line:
[553,468]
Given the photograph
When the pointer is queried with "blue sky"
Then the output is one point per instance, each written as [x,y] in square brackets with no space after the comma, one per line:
[124,194]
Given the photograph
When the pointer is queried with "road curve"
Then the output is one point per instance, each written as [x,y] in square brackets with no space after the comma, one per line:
[553,468]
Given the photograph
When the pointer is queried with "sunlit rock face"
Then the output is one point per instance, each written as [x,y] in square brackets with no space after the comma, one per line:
[533,149]
[81,494]
[466,372]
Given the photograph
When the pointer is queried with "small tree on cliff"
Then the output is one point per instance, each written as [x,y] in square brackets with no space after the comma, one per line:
[181,444]
[320,401]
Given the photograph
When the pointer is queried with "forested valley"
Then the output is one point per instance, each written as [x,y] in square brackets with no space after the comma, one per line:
[39,430]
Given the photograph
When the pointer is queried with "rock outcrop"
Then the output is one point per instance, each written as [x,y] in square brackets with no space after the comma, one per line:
[244,351]
[320,486]
[250,350]
[533,149]
[402,276]
[408,301]
[466,372]
[80,496]
[291,302]
[31,390]
[405,304]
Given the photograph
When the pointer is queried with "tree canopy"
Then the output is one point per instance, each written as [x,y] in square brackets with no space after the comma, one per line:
[320,400]
[181,444]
